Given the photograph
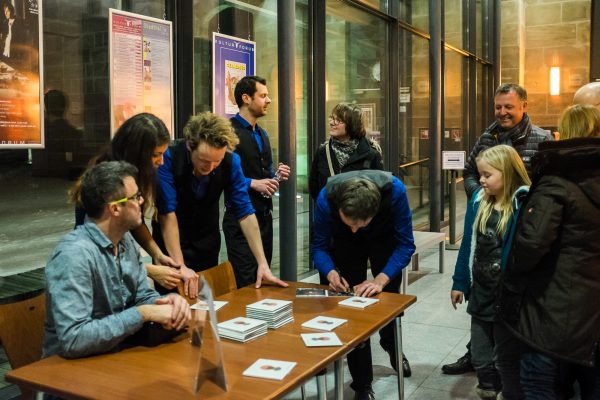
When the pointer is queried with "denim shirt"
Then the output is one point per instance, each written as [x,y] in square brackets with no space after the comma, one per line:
[92,295]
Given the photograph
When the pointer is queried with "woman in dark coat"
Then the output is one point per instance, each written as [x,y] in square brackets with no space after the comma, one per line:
[552,280]
[348,147]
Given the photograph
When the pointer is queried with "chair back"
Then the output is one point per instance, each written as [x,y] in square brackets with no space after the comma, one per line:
[22,328]
[221,280]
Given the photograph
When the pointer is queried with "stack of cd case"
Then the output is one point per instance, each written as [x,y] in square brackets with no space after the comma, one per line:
[242,329]
[275,312]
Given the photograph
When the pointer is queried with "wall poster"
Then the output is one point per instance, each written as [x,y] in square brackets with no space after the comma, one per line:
[233,58]
[21,74]
[141,67]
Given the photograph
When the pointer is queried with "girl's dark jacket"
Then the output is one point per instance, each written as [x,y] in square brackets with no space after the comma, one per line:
[366,156]
[551,288]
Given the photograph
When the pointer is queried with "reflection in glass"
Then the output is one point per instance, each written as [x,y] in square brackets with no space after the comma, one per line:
[257,21]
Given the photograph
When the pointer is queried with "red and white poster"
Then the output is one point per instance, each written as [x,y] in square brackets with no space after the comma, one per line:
[21,107]
[141,68]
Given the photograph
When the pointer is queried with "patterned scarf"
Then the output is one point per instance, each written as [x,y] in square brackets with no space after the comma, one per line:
[514,134]
[343,150]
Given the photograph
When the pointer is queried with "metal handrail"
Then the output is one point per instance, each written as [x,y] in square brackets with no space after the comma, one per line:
[413,163]
[418,163]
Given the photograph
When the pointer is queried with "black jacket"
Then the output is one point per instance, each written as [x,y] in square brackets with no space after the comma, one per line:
[365,157]
[552,280]
[526,143]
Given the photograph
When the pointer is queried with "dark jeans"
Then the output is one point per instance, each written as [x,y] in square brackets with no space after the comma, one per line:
[238,251]
[482,354]
[542,378]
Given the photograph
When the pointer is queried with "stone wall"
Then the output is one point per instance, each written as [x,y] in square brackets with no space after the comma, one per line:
[537,35]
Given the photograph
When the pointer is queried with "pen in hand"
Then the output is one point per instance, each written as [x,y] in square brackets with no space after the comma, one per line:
[343,282]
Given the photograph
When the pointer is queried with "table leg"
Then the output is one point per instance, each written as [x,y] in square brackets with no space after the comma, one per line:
[398,336]
[442,250]
[322,386]
[339,378]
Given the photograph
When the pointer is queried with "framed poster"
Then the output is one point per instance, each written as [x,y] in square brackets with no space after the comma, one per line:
[233,58]
[21,75]
[369,114]
[141,68]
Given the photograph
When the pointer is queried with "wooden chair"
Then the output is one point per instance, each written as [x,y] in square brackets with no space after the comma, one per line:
[22,329]
[220,278]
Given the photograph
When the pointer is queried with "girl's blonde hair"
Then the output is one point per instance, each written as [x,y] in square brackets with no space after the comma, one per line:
[514,175]
[579,120]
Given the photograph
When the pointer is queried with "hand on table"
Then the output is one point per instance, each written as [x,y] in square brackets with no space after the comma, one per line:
[336,282]
[190,282]
[367,288]
[180,311]
[264,273]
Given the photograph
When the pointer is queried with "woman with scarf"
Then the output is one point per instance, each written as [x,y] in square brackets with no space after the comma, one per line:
[347,149]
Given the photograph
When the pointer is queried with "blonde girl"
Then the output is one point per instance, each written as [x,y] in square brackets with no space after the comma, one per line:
[489,224]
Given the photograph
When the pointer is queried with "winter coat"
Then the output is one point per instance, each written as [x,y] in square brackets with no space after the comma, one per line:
[366,156]
[525,141]
[463,270]
[552,281]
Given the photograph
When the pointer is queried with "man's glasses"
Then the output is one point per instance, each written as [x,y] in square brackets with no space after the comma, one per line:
[135,197]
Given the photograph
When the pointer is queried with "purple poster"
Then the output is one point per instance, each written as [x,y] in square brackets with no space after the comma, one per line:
[233,58]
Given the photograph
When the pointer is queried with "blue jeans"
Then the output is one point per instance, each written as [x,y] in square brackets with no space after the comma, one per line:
[544,378]
[539,377]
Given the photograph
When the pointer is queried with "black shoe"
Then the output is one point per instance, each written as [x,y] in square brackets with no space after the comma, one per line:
[406,367]
[461,366]
[364,394]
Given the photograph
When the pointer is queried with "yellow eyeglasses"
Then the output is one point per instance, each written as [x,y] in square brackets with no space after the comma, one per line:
[135,197]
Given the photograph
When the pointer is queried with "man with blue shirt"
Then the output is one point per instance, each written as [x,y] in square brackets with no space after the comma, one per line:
[98,294]
[254,149]
[196,171]
[363,217]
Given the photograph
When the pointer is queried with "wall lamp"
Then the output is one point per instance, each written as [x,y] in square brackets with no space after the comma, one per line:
[554,81]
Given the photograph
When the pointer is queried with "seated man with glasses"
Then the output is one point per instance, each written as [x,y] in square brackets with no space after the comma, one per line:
[98,294]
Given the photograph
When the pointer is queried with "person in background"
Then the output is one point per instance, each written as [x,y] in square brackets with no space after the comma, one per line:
[348,148]
[489,224]
[363,218]
[552,279]
[196,171]
[142,141]
[588,94]
[513,128]
[97,291]
[254,149]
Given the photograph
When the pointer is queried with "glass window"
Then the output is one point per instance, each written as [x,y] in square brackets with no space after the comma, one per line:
[453,23]
[76,127]
[356,57]
[415,13]
[381,5]
[414,123]
[257,21]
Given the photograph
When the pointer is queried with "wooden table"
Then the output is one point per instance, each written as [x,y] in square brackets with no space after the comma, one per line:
[167,371]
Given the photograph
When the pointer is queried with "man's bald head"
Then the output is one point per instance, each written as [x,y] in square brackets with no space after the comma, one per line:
[588,94]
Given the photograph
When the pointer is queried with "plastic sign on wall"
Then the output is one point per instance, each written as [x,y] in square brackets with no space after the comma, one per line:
[21,76]
[233,58]
[141,68]
[453,160]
